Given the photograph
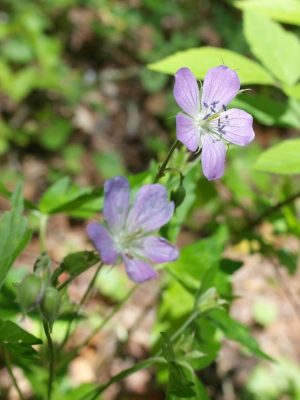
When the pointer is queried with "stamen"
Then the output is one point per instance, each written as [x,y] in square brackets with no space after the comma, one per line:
[206,116]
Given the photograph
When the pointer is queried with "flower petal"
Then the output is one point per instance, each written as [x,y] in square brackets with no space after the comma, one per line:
[186,91]
[235,126]
[151,209]
[138,270]
[221,84]
[187,131]
[213,157]
[103,242]
[116,202]
[158,249]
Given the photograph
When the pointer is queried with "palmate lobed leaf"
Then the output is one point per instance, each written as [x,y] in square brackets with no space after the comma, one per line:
[282,158]
[201,59]
[14,234]
[277,49]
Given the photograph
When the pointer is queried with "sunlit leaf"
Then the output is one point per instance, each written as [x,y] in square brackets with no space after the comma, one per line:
[282,158]
[286,11]
[199,60]
[282,59]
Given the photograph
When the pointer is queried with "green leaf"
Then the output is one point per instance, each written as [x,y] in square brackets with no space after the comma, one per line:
[10,333]
[286,11]
[64,196]
[292,91]
[235,331]
[56,134]
[282,158]
[179,385]
[18,342]
[229,266]
[76,263]
[282,59]
[14,235]
[199,60]
[268,111]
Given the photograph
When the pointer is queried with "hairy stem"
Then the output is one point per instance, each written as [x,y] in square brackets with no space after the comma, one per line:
[11,374]
[163,166]
[80,304]
[51,359]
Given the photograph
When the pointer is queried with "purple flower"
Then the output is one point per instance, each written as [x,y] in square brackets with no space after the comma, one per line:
[206,123]
[128,230]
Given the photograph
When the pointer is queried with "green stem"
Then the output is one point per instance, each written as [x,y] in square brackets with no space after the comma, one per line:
[163,166]
[141,365]
[273,209]
[51,359]
[43,228]
[82,301]
[11,373]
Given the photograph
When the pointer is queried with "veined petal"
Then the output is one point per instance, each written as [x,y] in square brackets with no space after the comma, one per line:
[235,126]
[186,91]
[158,249]
[213,157]
[103,242]
[151,209]
[138,270]
[221,84]
[116,202]
[187,132]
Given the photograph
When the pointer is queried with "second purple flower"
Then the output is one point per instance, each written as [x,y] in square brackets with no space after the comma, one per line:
[128,230]
[206,123]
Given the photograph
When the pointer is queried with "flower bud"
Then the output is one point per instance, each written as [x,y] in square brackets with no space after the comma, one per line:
[178,195]
[30,292]
[50,304]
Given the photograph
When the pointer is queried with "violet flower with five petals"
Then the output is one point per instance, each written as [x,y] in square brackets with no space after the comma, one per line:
[128,230]
[206,123]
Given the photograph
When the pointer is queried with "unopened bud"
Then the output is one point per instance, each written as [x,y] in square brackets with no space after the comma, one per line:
[30,292]
[178,195]
[50,304]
